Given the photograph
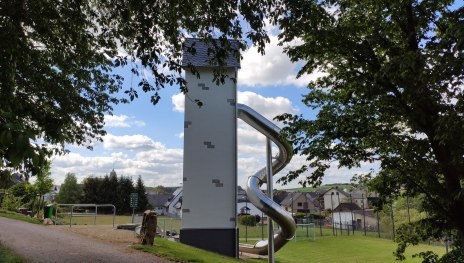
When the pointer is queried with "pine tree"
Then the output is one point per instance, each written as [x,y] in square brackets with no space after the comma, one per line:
[142,195]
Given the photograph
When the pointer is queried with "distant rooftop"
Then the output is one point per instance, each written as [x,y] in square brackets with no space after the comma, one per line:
[199,54]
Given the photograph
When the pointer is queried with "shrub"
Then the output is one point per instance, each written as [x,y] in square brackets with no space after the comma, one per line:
[12,203]
[299,215]
[247,220]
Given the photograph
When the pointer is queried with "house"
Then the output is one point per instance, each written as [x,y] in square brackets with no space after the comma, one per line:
[301,202]
[158,201]
[54,191]
[350,216]
[279,196]
[359,197]
[174,205]
[333,197]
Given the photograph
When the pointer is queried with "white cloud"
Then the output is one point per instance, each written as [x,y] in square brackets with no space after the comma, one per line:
[178,101]
[162,166]
[269,107]
[129,142]
[272,69]
[122,121]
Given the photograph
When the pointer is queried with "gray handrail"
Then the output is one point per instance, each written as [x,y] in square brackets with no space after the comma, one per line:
[256,196]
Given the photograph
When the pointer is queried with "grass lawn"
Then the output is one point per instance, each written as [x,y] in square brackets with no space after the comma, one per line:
[328,249]
[182,253]
[6,255]
[347,249]
[17,216]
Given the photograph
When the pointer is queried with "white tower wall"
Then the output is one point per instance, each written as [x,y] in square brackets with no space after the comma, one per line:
[210,153]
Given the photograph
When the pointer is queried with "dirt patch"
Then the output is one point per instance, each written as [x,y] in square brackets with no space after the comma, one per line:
[103,232]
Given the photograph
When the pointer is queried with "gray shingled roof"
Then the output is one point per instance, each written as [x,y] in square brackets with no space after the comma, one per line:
[157,200]
[344,207]
[199,54]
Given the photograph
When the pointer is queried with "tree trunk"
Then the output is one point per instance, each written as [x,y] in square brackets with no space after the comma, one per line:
[148,231]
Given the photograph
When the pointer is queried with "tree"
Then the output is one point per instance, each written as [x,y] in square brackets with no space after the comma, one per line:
[44,182]
[74,47]
[124,189]
[22,194]
[161,190]
[5,178]
[70,191]
[110,189]
[392,94]
[92,190]
[142,195]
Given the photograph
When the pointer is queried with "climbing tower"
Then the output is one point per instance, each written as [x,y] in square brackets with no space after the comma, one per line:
[209,218]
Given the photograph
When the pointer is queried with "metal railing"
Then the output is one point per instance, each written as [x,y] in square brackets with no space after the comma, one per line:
[77,214]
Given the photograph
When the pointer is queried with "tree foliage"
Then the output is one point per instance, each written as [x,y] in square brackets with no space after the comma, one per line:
[70,190]
[22,194]
[142,195]
[57,60]
[44,182]
[109,189]
[393,95]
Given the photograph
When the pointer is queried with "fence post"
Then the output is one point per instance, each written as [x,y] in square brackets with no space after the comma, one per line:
[70,218]
[95,216]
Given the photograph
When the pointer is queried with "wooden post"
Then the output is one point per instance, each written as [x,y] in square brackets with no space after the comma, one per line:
[148,231]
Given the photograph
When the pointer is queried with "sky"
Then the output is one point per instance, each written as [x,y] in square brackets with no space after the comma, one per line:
[147,141]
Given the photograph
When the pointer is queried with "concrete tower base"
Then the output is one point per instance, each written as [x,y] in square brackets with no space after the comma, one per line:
[222,241]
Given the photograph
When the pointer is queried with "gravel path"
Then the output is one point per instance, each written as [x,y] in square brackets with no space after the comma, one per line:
[39,243]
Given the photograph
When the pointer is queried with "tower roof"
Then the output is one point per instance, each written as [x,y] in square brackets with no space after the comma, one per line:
[200,54]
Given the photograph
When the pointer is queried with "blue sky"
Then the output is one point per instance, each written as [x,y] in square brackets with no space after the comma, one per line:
[147,140]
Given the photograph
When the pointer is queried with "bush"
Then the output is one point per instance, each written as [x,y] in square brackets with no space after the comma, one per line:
[247,220]
[12,203]
[455,255]
[299,215]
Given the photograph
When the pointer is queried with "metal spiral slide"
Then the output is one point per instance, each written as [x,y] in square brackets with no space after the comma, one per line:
[256,196]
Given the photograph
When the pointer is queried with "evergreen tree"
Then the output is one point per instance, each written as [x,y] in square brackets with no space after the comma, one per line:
[92,190]
[142,195]
[124,189]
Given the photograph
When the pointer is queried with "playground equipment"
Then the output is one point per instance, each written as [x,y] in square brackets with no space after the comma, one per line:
[261,201]
[209,218]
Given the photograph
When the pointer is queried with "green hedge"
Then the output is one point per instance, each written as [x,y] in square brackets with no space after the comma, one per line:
[247,220]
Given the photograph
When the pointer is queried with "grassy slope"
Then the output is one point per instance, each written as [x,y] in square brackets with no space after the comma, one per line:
[6,255]
[183,253]
[13,215]
[347,249]
[326,249]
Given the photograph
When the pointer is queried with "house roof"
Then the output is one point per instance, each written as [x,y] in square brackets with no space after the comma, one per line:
[288,199]
[344,207]
[338,190]
[279,196]
[157,200]
[199,54]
